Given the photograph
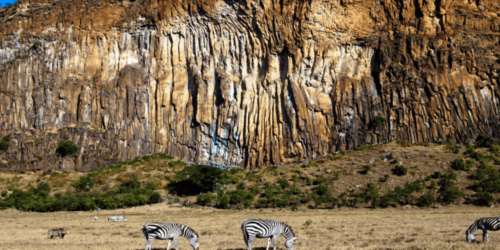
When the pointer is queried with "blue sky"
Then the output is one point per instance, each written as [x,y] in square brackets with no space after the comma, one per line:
[3,2]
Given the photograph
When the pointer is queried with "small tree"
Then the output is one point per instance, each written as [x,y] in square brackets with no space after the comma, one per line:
[378,121]
[66,148]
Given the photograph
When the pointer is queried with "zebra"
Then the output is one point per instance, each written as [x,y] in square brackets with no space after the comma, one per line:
[57,232]
[253,228]
[169,231]
[117,218]
[487,223]
[95,218]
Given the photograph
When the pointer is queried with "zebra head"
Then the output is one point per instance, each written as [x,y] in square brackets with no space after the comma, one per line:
[469,237]
[193,241]
[290,243]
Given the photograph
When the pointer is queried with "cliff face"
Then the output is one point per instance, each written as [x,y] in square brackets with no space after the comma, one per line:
[240,82]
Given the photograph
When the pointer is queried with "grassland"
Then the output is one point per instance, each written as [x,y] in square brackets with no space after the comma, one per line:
[392,228]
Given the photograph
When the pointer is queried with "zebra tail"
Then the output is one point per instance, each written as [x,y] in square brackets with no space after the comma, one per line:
[245,235]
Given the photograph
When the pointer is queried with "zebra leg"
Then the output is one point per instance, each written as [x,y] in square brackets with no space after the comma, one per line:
[485,235]
[268,243]
[175,242]
[148,244]
[275,238]
[169,241]
[249,242]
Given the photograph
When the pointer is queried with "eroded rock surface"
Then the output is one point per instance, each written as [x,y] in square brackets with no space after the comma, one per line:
[241,83]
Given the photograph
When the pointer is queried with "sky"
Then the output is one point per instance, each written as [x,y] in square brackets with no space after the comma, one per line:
[3,2]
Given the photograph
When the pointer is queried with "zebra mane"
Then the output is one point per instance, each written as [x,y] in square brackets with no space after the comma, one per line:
[289,227]
[198,236]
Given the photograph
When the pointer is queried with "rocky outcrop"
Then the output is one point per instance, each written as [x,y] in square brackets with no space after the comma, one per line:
[241,83]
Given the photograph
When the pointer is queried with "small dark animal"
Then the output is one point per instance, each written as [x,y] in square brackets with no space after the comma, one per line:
[57,232]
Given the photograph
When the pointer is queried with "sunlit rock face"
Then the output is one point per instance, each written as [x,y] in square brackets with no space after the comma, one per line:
[241,83]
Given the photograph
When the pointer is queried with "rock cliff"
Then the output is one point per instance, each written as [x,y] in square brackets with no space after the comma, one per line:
[243,83]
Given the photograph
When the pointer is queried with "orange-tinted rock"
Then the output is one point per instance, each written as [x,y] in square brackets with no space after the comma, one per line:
[243,83]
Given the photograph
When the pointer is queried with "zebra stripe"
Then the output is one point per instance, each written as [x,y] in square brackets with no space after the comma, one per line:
[491,223]
[253,228]
[169,231]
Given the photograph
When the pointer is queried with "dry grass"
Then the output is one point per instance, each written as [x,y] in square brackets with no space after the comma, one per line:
[220,229]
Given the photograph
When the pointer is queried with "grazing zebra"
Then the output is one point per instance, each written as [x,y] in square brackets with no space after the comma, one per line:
[492,223]
[116,218]
[169,231]
[253,228]
[57,232]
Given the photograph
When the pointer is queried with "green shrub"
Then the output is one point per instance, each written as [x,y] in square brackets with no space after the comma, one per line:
[483,199]
[239,197]
[437,175]
[66,148]
[295,178]
[366,169]
[426,200]
[479,175]
[241,186]
[378,121]
[370,195]
[154,198]
[460,164]
[197,179]
[404,143]
[4,143]
[320,180]
[386,177]
[449,147]
[433,185]
[205,199]
[4,193]
[283,183]
[255,190]
[400,170]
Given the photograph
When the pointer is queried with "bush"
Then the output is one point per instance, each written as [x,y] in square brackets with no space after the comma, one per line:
[197,179]
[4,193]
[241,186]
[366,169]
[370,195]
[66,148]
[400,170]
[460,164]
[426,200]
[205,199]
[240,197]
[378,121]
[154,198]
[437,175]
[433,185]
[4,144]
[320,180]
[479,175]
[483,199]
[283,183]
[255,190]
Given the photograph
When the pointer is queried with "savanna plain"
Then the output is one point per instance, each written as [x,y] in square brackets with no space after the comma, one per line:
[392,228]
